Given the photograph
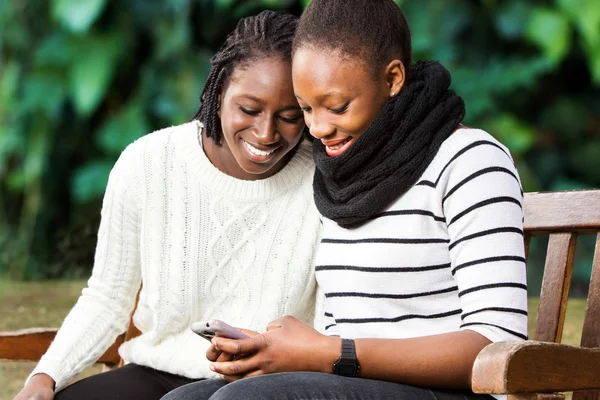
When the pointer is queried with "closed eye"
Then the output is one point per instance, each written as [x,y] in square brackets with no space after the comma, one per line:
[290,120]
[249,112]
[306,109]
[341,109]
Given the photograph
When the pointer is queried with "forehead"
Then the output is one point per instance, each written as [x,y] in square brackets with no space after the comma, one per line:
[262,77]
[325,70]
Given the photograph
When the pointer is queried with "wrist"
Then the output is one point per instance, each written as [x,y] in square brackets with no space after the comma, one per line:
[42,379]
[329,353]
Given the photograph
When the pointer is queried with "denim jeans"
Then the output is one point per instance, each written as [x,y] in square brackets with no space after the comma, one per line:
[311,386]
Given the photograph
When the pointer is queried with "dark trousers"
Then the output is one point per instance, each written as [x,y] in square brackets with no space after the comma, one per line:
[131,382]
[312,386]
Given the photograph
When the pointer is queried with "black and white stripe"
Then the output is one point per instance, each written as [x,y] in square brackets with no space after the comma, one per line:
[447,255]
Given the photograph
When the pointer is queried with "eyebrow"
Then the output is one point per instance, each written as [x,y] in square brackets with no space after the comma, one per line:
[260,101]
[328,94]
[323,96]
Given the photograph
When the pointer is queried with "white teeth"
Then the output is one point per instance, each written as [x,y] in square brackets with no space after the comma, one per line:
[339,145]
[256,151]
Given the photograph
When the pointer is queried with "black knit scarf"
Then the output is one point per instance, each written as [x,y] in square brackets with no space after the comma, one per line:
[386,160]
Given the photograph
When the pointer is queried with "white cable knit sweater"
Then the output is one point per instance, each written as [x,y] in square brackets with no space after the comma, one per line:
[204,244]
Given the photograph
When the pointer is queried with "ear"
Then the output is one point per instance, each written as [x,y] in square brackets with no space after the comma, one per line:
[395,76]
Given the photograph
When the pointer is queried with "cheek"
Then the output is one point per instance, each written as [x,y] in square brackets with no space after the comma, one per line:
[232,120]
[291,133]
[356,123]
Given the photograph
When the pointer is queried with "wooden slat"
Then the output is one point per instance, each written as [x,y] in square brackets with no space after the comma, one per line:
[536,396]
[555,287]
[586,395]
[562,211]
[590,336]
[521,367]
[31,344]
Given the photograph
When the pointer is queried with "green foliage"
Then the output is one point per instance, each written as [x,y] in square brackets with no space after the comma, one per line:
[80,80]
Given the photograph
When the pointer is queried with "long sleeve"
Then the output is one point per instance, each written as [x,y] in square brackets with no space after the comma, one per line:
[102,312]
[483,206]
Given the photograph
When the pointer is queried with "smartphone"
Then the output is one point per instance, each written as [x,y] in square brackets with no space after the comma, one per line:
[212,328]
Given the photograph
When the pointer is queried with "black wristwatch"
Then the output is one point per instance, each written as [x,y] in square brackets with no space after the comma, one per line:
[347,365]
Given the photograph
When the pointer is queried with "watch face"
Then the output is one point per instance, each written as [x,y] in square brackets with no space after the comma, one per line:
[346,369]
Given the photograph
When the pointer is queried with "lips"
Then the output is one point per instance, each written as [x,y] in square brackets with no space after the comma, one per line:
[257,154]
[334,148]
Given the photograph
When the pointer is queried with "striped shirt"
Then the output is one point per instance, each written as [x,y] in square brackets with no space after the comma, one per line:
[447,255]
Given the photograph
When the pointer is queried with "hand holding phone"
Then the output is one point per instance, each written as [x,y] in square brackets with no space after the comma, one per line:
[215,327]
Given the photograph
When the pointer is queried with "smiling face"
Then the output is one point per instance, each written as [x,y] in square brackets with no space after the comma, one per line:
[340,96]
[260,119]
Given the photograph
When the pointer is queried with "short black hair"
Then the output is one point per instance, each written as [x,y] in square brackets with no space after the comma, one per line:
[372,30]
[268,34]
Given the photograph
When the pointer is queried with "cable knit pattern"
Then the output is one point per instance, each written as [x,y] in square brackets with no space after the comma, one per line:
[204,244]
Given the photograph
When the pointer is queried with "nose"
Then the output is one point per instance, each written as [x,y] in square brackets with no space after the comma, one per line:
[318,125]
[267,132]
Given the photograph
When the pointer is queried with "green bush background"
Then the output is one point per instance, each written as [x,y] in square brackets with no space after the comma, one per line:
[79,80]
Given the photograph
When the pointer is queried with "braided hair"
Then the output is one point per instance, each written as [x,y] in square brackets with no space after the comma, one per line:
[268,34]
[375,31]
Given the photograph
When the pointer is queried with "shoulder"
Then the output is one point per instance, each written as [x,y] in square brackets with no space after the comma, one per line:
[468,150]
[153,147]
[170,137]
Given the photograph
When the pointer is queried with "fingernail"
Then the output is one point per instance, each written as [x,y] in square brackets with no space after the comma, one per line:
[212,367]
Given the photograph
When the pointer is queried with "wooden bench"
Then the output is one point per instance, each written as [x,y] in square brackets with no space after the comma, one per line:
[31,344]
[538,368]
[527,370]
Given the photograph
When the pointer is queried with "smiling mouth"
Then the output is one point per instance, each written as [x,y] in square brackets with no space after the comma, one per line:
[258,152]
[338,147]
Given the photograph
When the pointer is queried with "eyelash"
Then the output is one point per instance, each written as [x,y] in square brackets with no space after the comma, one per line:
[341,109]
[284,119]
[249,112]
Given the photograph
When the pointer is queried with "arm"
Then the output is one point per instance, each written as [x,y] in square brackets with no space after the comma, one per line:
[484,216]
[102,312]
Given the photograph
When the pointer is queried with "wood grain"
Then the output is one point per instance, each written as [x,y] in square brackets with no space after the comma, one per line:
[555,287]
[535,367]
[31,344]
[577,211]
[590,336]
[536,396]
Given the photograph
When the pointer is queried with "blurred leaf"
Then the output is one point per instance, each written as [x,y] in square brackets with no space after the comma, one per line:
[584,159]
[586,14]
[172,38]
[77,15]
[224,4]
[177,99]
[562,183]
[95,62]
[566,118]
[529,179]
[511,18]
[9,81]
[89,181]
[550,30]
[44,90]
[55,50]
[512,132]
[11,142]
[122,129]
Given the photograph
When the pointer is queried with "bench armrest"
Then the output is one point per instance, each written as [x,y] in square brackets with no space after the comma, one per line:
[31,344]
[535,367]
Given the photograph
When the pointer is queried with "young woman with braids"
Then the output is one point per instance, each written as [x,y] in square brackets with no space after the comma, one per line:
[214,218]
[422,256]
